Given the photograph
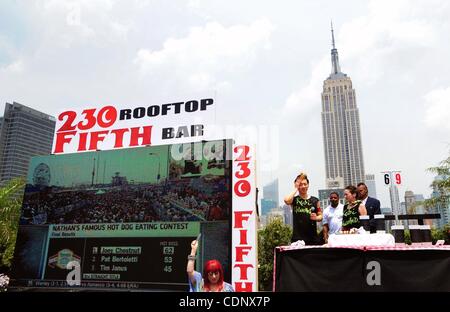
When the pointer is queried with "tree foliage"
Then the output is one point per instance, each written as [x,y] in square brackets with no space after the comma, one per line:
[276,233]
[10,203]
[441,185]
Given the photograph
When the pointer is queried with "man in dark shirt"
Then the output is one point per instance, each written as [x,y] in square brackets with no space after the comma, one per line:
[372,205]
[306,211]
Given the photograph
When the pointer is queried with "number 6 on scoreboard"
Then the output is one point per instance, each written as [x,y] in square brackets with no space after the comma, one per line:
[386,179]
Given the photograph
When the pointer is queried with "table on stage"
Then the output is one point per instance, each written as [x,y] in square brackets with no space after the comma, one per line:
[360,268]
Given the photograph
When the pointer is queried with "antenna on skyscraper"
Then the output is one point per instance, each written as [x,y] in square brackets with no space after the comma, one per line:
[332,35]
[335,68]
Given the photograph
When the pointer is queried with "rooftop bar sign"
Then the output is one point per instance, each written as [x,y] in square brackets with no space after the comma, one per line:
[111,127]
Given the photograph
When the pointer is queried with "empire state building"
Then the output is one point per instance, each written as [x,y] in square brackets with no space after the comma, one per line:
[344,164]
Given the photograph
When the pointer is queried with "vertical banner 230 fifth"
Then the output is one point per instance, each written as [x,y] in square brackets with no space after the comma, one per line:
[244,239]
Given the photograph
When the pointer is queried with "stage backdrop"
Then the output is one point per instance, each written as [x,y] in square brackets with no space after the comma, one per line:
[126,191]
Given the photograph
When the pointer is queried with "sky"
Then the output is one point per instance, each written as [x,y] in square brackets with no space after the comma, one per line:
[263,62]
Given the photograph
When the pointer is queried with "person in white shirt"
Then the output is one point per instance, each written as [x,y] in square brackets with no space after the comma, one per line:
[332,216]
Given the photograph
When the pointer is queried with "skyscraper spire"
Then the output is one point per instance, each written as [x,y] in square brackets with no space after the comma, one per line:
[332,35]
[336,69]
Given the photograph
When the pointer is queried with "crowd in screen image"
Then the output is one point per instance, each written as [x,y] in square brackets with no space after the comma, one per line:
[196,199]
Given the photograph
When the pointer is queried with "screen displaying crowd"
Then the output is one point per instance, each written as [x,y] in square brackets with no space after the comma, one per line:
[195,199]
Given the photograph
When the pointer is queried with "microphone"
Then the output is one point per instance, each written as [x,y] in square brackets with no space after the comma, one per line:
[313,210]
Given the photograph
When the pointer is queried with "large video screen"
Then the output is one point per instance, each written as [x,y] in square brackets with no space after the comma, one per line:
[126,216]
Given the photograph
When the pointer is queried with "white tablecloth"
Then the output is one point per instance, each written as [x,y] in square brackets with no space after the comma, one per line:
[359,240]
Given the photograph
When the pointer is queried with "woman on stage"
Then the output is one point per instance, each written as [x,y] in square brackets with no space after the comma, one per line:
[352,210]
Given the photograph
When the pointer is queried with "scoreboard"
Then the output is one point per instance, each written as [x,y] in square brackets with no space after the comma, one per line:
[124,219]
[132,259]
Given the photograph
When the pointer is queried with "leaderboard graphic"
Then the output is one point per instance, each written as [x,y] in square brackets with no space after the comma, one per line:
[127,216]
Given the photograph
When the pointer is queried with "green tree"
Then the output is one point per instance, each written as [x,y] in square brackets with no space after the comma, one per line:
[436,234]
[441,185]
[407,237]
[10,203]
[441,198]
[276,233]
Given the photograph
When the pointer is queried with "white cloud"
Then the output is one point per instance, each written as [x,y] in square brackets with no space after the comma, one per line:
[302,101]
[15,67]
[72,11]
[390,38]
[207,52]
[120,30]
[71,4]
[298,167]
[437,104]
[67,22]
[194,4]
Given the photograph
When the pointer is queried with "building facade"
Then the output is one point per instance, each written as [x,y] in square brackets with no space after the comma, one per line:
[270,191]
[443,208]
[395,200]
[270,199]
[266,206]
[25,133]
[287,210]
[344,164]
[371,186]
[324,197]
